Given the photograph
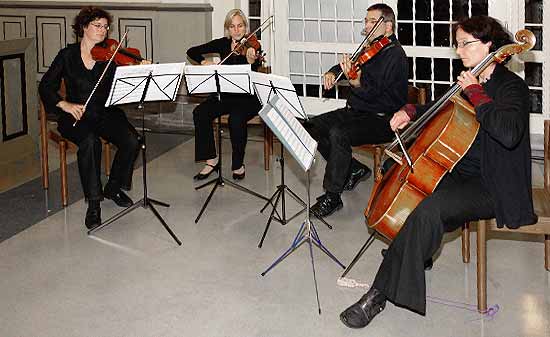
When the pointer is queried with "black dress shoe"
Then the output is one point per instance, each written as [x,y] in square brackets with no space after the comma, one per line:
[361,313]
[239,176]
[360,174]
[428,265]
[93,217]
[327,204]
[201,176]
[120,198]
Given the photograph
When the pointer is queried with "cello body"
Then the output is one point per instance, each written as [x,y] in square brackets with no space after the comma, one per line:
[441,144]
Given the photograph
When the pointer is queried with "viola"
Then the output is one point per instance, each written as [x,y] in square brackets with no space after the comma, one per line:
[367,54]
[103,51]
[250,41]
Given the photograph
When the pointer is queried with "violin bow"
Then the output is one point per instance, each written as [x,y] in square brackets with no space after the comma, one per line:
[103,73]
[244,39]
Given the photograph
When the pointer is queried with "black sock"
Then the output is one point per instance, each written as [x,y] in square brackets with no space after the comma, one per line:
[93,204]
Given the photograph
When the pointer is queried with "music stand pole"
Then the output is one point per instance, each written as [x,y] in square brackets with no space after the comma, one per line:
[144,202]
[220,180]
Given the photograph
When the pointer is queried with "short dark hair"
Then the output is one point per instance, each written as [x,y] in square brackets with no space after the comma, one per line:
[87,15]
[386,12]
[485,29]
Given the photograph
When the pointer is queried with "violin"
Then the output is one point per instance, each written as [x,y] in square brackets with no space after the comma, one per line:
[248,41]
[103,51]
[367,54]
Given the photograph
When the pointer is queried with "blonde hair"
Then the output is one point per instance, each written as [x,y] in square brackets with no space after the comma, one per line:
[229,17]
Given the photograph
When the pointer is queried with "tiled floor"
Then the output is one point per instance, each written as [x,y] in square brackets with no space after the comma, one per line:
[131,279]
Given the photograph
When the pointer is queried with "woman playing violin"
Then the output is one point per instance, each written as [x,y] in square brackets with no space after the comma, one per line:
[75,65]
[492,180]
[240,107]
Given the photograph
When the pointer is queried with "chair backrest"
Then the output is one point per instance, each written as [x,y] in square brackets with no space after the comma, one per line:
[547,155]
[416,95]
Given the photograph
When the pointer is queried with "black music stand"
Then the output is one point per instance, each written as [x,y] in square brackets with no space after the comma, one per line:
[266,86]
[302,147]
[129,84]
[217,79]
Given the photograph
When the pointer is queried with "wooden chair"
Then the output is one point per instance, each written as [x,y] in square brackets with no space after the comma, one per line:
[415,95]
[541,200]
[64,145]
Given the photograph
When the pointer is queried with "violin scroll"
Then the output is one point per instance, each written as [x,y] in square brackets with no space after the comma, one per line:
[526,41]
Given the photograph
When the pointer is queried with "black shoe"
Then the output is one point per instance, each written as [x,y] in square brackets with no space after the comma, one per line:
[327,204]
[428,265]
[239,176]
[120,198]
[360,174]
[360,314]
[201,176]
[93,217]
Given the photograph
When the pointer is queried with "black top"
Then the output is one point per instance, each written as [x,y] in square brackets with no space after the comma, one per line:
[384,77]
[502,148]
[79,82]
[221,46]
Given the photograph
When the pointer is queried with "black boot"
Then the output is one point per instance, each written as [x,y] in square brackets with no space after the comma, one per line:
[360,314]
[93,214]
[358,172]
[112,191]
[428,264]
[327,204]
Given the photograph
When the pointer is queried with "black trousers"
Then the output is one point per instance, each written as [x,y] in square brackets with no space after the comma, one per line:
[241,108]
[112,126]
[336,132]
[457,199]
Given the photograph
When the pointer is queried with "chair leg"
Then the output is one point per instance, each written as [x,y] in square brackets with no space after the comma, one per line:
[547,252]
[63,172]
[466,243]
[107,157]
[481,266]
[44,152]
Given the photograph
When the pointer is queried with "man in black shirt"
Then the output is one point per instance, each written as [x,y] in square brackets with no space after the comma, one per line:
[379,90]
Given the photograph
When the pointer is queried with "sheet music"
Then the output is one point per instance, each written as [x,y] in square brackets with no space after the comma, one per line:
[129,83]
[284,88]
[234,78]
[278,116]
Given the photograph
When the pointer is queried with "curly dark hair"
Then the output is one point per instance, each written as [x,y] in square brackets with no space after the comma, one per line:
[486,29]
[87,15]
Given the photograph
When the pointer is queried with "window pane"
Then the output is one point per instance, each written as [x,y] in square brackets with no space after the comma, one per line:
[533,11]
[295,30]
[405,33]
[343,9]
[423,68]
[312,65]
[357,29]
[411,64]
[441,10]
[457,68]
[360,8]
[312,90]
[295,9]
[442,69]
[254,8]
[479,7]
[538,35]
[311,31]
[296,62]
[440,90]
[460,9]
[536,101]
[297,79]
[328,9]
[423,34]
[311,9]
[404,10]
[442,35]
[327,61]
[328,31]
[344,31]
[423,10]
[533,74]
[255,23]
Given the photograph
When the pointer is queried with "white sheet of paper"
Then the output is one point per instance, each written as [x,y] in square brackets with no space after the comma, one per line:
[262,85]
[129,83]
[278,116]
[233,78]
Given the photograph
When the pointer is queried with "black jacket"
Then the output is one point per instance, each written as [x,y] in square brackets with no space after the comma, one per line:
[222,47]
[383,88]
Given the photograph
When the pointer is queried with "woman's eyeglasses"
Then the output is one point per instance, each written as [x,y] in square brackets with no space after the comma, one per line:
[99,26]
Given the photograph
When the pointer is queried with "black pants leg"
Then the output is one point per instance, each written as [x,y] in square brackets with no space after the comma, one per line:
[401,275]
[241,108]
[336,132]
[116,129]
[88,155]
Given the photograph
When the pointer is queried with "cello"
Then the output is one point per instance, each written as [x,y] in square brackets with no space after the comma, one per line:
[443,135]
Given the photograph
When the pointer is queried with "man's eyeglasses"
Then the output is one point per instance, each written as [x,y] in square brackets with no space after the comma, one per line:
[462,44]
[99,26]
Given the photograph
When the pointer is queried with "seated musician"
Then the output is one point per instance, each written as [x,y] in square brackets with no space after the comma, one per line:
[240,107]
[492,180]
[74,64]
[380,90]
